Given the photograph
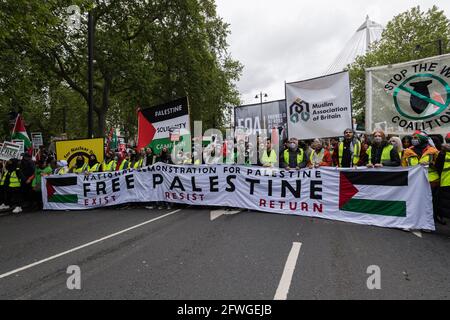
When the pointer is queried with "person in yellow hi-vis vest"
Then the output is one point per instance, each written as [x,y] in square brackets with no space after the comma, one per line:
[443,168]
[381,153]
[424,153]
[269,156]
[293,158]
[10,186]
[93,164]
[349,150]
[109,164]
[80,166]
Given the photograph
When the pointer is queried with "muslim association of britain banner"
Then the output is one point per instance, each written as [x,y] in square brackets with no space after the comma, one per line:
[156,123]
[397,198]
[319,108]
[415,95]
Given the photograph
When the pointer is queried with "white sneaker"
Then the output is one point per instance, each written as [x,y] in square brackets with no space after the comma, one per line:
[150,207]
[3,206]
[17,210]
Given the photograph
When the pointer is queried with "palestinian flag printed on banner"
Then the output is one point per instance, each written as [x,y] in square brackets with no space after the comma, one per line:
[386,197]
[56,192]
[359,191]
[20,133]
[156,123]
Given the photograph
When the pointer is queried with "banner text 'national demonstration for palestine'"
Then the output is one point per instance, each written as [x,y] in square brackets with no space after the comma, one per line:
[399,198]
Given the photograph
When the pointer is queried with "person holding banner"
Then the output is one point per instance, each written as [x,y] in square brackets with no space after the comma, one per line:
[93,164]
[381,153]
[149,157]
[424,153]
[125,163]
[42,169]
[10,184]
[62,167]
[349,150]
[320,157]
[80,166]
[293,157]
[269,156]
[109,164]
[443,168]
[164,156]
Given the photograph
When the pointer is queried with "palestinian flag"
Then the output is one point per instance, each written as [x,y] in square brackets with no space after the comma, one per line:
[55,190]
[366,192]
[156,123]
[20,133]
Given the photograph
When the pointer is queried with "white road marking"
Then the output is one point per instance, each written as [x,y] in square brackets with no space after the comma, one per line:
[85,245]
[417,233]
[286,278]
[217,213]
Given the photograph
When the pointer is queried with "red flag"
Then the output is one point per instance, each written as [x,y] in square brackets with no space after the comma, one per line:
[146,131]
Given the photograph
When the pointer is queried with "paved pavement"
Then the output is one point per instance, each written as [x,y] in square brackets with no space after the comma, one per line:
[194,253]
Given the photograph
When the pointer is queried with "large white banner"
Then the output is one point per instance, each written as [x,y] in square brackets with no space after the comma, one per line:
[319,108]
[409,96]
[398,198]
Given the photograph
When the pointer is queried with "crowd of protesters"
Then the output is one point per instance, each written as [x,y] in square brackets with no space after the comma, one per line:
[21,179]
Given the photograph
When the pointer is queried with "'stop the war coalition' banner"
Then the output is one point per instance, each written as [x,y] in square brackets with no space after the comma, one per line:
[409,96]
[396,197]
[319,108]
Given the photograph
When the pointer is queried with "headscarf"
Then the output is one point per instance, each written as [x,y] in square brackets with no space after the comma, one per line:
[423,138]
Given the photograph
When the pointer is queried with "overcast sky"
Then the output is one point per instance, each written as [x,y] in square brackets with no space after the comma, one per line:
[290,40]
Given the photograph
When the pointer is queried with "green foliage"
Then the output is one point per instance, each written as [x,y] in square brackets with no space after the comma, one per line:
[146,53]
[411,35]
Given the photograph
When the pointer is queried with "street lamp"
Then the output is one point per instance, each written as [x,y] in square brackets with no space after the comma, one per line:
[262,95]
[91,31]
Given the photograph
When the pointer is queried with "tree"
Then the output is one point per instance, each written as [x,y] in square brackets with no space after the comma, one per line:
[411,35]
[146,53]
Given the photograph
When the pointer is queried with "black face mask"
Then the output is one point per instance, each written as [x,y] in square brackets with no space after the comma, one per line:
[92,162]
[80,163]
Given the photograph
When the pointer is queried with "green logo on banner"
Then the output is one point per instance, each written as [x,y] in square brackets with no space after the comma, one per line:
[422,104]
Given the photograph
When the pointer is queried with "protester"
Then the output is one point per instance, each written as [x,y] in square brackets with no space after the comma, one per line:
[269,156]
[365,145]
[334,149]
[124,163]
[135,161]
[381,153]
[27,167]
[349,150]
[80,166]
[320,156]
[397,143]
[93,164]
[42,169]
[62,168]
[149,157]
[406,141]
[443,168]
[424,153]
[109,164]
[294,157]
[11,186]
[164,156]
